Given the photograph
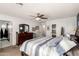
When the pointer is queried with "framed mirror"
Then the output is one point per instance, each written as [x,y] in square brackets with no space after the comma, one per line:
[23,28]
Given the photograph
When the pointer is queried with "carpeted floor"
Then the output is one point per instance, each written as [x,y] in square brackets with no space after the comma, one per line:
[10,51]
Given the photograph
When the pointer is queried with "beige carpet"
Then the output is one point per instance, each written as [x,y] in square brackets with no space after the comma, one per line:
[10,51]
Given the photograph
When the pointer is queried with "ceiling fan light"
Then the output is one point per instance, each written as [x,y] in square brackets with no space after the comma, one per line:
[37,19]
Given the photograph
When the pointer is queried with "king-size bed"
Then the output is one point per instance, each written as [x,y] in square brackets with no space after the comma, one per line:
[47,46]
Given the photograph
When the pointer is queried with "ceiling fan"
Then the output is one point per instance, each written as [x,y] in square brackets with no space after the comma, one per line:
[39,16]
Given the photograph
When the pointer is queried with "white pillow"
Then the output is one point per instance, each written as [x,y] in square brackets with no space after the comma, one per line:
[68,35]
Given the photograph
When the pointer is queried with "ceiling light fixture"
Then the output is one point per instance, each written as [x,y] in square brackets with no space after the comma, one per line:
[37,19]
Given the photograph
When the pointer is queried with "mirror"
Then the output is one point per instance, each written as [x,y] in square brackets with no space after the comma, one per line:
[23,28]
[5,33]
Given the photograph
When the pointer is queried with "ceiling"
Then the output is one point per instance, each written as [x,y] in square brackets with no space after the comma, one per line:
[51,10]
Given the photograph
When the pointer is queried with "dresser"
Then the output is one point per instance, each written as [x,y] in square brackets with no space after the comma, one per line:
[23,36]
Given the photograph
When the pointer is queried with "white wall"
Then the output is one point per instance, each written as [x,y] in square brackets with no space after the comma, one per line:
[69,25]
[15,24]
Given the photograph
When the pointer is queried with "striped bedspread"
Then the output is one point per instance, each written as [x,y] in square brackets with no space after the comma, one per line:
[47,46]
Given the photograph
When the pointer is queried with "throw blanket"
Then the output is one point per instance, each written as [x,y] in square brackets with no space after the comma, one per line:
[47,46]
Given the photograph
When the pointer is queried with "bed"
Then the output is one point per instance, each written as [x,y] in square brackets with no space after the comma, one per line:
[47,46]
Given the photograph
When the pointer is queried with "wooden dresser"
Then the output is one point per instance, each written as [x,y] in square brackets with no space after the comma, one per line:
[23,36]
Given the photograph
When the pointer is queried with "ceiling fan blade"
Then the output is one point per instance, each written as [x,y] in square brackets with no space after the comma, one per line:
[32,16]
[44,18]
[41,15]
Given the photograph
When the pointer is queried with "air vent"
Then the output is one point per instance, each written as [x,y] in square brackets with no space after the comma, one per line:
[21,4]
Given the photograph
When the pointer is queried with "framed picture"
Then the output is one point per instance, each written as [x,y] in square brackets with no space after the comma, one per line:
[33,28]
[37,28]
